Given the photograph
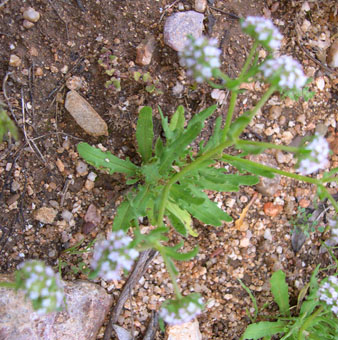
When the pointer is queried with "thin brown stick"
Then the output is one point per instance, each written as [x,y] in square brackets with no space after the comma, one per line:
[152,327]
[139,269]
[4,83]
[233,16]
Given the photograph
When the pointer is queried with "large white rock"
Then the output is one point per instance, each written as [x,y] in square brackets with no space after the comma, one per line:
[186,331]
[87,306]
[85,115]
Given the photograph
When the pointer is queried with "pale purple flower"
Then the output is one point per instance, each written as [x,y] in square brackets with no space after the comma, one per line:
[41,285]
[183,310]
[285,72]
[200,56]
[317,158]
[263,30]
[328,292]
[113,255]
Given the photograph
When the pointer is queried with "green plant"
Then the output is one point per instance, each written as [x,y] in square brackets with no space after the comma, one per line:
[108,61]
[6,125]
[304,222]
[170,183]
[314,318]
[150,85]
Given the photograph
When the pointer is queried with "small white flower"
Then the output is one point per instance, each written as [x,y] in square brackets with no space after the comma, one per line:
[41,285]
[328,292]
[285,72]
[264,31]
[317,158]
[200,56]
[175,312]
[113,255]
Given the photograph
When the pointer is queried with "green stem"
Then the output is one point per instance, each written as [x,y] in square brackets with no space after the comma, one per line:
[268,145]
[172,275]
[230,113]
[248,59]
[286,174]
[308,321]
[193,165]
[262,101]
[7,284]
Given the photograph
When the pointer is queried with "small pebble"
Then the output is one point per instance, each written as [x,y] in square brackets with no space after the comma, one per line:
[320,83]
[200,5]
[15,186]
[332,56]
[67,215]
[31,15]
[89,185]
[60,165]
[81,168]
[27,24]
[244,243]
[275,112]
[64,69]
[14,60]
[271,209]
[92,176]
[38,72]
[268,235]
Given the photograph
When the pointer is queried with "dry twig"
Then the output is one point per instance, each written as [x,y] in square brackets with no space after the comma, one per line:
[139,269]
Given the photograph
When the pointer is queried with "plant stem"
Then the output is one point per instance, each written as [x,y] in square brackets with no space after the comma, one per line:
[284,173]
[172,275]
[248,59]
[267,145]
[308,321]
[262,101]
[190,167]
[230,113]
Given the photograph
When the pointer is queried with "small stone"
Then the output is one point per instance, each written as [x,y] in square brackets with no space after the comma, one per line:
[84,114]
[332,55]
[244,243]
[280,157]
[200,5]
[31,15]
[27,24]
[45,215]
[181,24]
[67,215]
[271,209]
[266,186]
[93,215]
[92,176]
[306,25]
[64,69]
[54,69]
[14,60]
[304,203]
[38,72]
[320,83]
[12,199]
[178,89]
[60,165]
[145,50]
[74,83]
[15,185]
[88,227]
[189,330]
[305,7]
[81,168]
[287,137]
[180,6]
[268,235]
[275,112]
[89,185]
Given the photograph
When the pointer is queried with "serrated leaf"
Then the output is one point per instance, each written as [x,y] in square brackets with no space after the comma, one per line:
[183,218]
[177,120]
[175,149]
[145,133]
[264,328]
[247,166]
[202,116]
[238,126]
[165,126]
[279,290]
[208,212]
[215,139]
[105,160]
[181,256]
[177,224]
[158,147]
[123,217]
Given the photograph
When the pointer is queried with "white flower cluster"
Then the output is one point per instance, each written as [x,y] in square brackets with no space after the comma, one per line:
[328,292]
[175,312]
[200,56]
[113,255]
[264,31]
[317,158]
[41,285]
[285,72]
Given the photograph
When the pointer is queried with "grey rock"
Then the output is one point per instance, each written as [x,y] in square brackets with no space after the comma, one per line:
[266,186]
[200,5]
[85,115]
[179,25]
[87,306]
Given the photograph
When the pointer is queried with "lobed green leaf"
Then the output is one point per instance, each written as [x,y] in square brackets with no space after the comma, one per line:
[279,290]
[264,328]
[145,133]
